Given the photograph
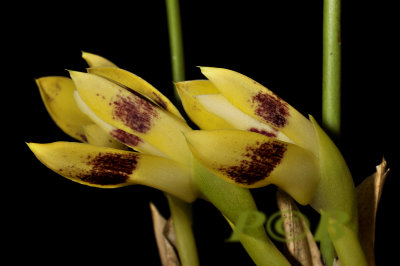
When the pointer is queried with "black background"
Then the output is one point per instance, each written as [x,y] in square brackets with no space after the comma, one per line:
[279,44]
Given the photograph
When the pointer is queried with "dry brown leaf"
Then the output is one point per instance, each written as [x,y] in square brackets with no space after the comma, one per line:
[300,241]
[165,238]
[368,194]
[336,262]
[169,232]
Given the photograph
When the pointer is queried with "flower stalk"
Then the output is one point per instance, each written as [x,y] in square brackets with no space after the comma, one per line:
[232,201]
[181,211]
[331,76]
[347,247]
[176,43]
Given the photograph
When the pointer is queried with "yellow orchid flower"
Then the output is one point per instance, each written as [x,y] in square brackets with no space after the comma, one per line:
[57,95]
[125,108]
[259,139]
[121,118]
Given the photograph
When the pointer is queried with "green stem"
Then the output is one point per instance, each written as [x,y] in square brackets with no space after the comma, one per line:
[331,95]
[233,201]
[347,246]
[336,196]
[176,43]
[181,213]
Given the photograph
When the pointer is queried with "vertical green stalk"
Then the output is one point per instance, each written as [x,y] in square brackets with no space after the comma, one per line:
[176,43]
[331,95]
[181,212]
[347,246]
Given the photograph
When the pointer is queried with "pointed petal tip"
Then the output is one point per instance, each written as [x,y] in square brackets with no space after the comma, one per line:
[311,117]
[206,69]
[75,75]
[203,68]
[179,86]
[72,72]
[94,60]
[32,146]
[29,144]
[37,82]
[36,148]
[87,55]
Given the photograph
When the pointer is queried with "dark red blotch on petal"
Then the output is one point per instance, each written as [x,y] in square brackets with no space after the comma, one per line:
[110,168]
[263,132]
[260,161]
[160,101]
[125,137]
[271,108]
[135,112]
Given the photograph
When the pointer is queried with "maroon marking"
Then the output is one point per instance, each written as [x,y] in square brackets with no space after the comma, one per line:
[137,94]
[259,164]
[125,137]
[84,138]
[110,168]
[263,132]
[159,101]
[271,108]
[102,96]
[135,112]
[48,97]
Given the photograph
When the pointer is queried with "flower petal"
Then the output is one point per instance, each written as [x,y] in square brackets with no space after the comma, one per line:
[210,110]
[97,136]
[336,191]
[218,105]
[196,87]
[262,104]
[133,114]
[57,95]
[94,60]
[110,168]
[188,90]
[252,160]
[114,134]
[137,84]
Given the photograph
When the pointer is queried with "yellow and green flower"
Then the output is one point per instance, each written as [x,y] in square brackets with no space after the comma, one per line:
[99,109]
[132,134]
[253,138]
[256,138]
